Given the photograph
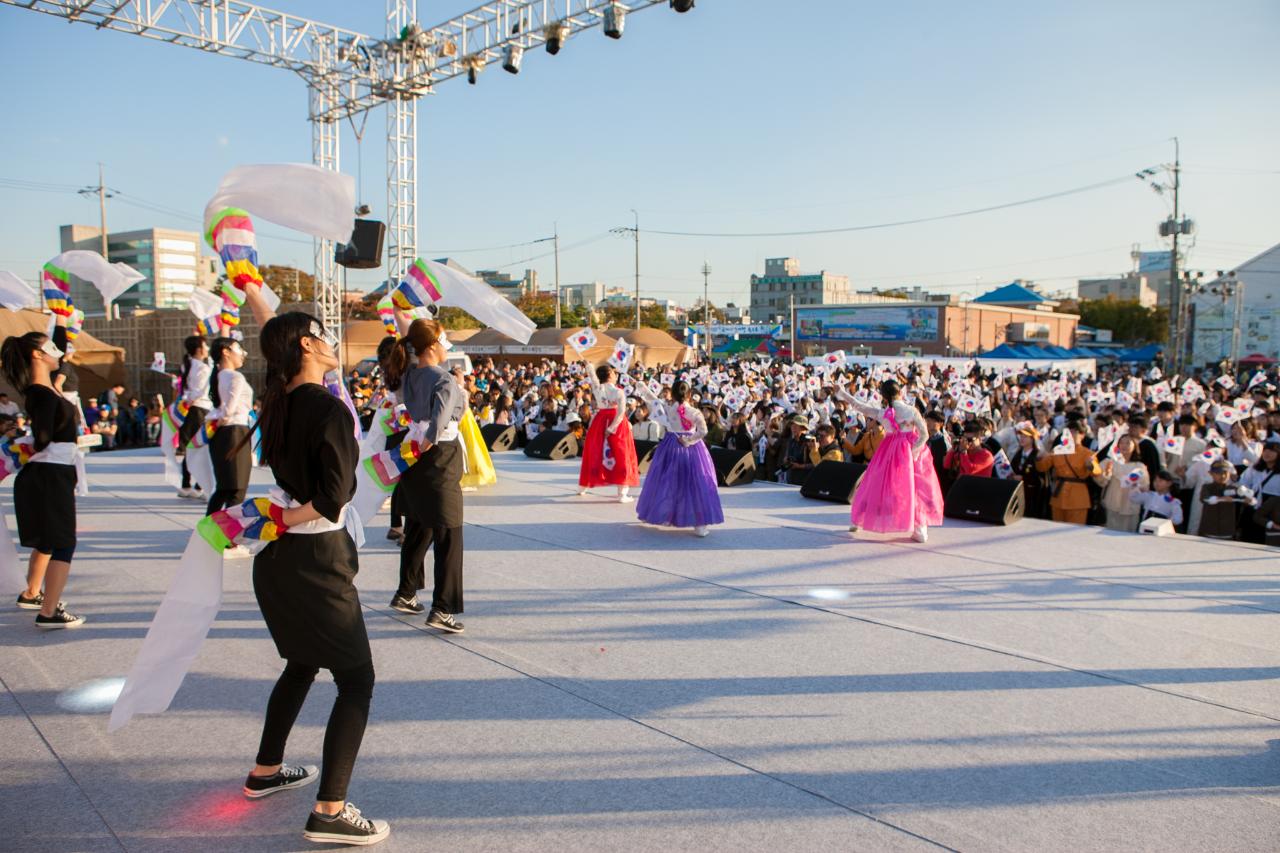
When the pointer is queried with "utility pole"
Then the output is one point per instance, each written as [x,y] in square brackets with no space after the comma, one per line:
[706,308]
[1175,289]
[555,236]
[636,231]
[793,327]
[103,195]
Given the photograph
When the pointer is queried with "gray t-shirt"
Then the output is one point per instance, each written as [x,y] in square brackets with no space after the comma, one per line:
[431,394]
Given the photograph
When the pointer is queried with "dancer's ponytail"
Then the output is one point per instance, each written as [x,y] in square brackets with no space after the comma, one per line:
[421,336]
[15,358]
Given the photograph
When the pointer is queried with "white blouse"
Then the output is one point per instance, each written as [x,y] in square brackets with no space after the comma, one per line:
[195,385]
[236,397]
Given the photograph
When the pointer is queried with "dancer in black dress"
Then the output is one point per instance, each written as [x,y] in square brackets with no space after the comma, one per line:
[431,489]
[44,492]
[233,402]
[304,581]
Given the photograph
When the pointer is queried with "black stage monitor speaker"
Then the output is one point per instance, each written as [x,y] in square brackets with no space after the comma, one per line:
[833,481]
[364,252]
[552,444]
[985,499]
[733,467]
[644,454]
[498,437]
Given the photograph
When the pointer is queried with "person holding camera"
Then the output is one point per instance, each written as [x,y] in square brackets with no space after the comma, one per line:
[823,446]
[969,457]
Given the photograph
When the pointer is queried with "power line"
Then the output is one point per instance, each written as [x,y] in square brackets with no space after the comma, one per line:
[901,222]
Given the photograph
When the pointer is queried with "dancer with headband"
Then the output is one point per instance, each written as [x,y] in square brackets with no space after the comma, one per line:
[44,492]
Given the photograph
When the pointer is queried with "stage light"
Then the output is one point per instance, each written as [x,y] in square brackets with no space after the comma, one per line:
[511,60]
[555,34]
[475,64]
[615,19]
[363,210]
[682,5]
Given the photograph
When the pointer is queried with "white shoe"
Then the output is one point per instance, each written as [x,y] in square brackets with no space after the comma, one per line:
[700,531]
[186,493]
[581,492]
[239,552]
[625,499]
[468,488]
[920,534]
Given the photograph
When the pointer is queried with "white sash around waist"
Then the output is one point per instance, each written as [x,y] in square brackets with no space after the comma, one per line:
[347,519]
[65,453]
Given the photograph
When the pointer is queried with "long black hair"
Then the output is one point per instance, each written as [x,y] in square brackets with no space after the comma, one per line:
[15,356]
[281,347]
[219,348]
[680,391]
[421,336]
[190,346]
[890,390]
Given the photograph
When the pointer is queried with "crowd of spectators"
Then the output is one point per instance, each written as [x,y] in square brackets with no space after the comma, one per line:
[1111,449]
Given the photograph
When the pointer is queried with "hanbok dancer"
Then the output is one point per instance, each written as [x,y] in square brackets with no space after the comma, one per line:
[196,374]
[44,492]
[304,581]
[680,486]
[233,401]
[431,489]
[899,491]
[609,451]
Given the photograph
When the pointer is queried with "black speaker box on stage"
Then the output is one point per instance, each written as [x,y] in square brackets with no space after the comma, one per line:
[733,467]
[644,454]
[833,481]
[364,252]
[498,437]
[552,444]
[986,499]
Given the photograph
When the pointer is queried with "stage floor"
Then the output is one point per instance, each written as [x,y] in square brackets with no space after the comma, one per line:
[779,684]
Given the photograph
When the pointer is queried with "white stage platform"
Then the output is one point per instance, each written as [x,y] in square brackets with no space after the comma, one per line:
[778,684]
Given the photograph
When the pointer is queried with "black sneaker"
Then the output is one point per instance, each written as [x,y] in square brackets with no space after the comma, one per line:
[346,827]
[34,603]
[444,621]
[407,605]
[286,777]
[60,619]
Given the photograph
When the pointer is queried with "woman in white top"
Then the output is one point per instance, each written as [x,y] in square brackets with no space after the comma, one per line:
[196,373]
[1242,449]
[233,401]
[680,487]
[609,451]
[1121,474]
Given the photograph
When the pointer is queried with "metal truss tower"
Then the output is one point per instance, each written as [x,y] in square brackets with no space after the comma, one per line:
[347,73]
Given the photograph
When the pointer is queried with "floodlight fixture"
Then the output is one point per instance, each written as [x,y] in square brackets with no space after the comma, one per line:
[615,19]
[682,5]
[512,58]
[555,34]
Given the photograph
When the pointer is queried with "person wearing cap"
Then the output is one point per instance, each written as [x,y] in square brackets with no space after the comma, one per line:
[865,447]
[1035,494]
[794,463]
[1220,501]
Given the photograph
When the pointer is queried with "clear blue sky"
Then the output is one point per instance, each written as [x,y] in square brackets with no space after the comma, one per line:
[744,115]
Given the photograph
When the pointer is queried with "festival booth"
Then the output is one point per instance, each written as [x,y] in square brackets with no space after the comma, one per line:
[552,344]
[654,348]
[360,339]
[556,341]
[98,365]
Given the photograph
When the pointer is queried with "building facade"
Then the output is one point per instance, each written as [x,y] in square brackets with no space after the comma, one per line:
[1248,320]
[169,260]
[512,289]
[1134,287]
[928,328]
[772,292]
[587,295]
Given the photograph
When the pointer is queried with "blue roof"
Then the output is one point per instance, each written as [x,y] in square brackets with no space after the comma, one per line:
[1011,293]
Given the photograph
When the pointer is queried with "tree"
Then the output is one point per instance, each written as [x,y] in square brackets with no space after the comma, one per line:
[1128,319]
[696,318]
[623,317]
[456,318]
[291,285]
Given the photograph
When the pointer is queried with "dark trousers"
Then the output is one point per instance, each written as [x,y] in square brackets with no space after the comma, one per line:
[186,475]
[230,469]
[447,594]
[343,734]
[397,507]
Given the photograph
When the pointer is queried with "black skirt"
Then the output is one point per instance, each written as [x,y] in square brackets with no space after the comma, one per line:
[194,421]
[305,584]
[231,475]
[432,488]
[44,498]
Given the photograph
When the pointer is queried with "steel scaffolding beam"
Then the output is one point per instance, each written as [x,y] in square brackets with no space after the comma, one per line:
[402,153]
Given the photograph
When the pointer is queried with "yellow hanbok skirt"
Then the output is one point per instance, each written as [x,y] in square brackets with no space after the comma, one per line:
[479,464]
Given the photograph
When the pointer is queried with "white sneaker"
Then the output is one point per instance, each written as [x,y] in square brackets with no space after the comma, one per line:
[186,493]
[625,499]
[920,534]
[239,552]
[700,531]
[581,492]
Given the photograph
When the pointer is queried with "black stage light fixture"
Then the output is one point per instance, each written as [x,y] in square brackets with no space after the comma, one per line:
[513,57]
[615,19]
[682,5]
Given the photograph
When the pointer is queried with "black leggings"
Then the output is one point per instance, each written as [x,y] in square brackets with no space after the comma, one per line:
[343,734]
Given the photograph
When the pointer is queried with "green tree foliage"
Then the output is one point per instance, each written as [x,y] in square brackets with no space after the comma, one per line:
[1128,320]
[291,285]
[651,316]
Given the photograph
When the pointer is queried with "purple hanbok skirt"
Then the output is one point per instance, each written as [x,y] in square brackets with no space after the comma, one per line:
[680,487]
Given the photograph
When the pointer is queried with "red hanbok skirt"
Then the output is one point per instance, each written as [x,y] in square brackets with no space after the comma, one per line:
[608,460]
